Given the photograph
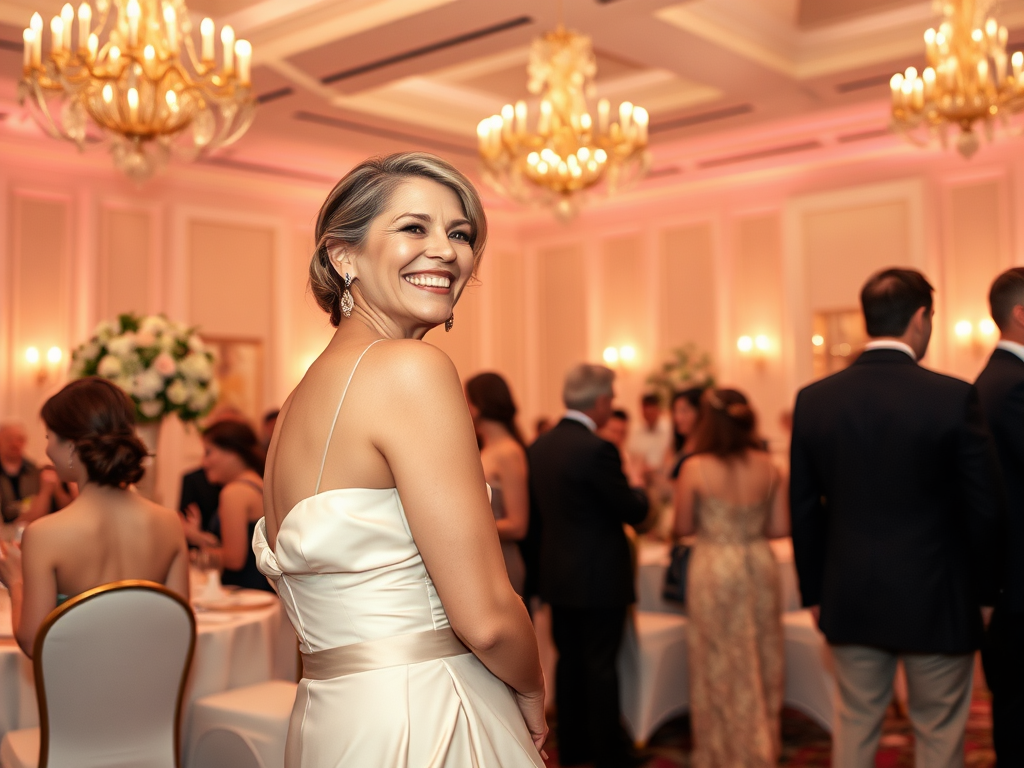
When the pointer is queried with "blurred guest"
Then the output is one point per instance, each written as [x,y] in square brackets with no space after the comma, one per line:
[578,490]
[616,432]
[232,459]
[895,503]
[542,425]
[1001,389]
[652,435]
[504,459]
[730,493]
[27,492]
[685,412]
[198,495]
[109,532]
[267,428]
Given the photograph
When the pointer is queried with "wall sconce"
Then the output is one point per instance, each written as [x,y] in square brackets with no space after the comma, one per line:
[624,356]
[755,348]
[42,370]
[978,336]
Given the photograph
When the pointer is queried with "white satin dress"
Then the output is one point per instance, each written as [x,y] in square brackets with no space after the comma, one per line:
[348,572]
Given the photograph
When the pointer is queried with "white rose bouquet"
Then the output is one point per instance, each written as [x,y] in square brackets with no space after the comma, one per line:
[163,366]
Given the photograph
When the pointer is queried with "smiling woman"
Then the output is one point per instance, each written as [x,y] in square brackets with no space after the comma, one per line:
[378,530]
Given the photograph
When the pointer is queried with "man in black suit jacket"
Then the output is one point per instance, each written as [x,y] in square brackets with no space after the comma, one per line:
[895,508]
[582,497]
[1001,388]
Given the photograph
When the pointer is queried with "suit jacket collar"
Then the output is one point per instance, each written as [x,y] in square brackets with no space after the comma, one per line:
[1006,356]
[869,356]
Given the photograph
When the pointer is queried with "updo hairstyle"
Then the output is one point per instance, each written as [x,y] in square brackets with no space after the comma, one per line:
[362,196]
[727,425]
[489,393]
[99,418]
[238,438]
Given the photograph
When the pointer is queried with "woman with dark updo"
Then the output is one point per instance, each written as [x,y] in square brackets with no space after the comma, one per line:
[109,532]
[504,460]
[232,459]
[734,498]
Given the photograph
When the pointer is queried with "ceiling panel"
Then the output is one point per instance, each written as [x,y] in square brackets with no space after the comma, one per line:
[819,13]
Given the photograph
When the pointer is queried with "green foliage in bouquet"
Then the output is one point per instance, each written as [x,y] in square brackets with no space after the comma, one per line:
[163,366]
[687,367]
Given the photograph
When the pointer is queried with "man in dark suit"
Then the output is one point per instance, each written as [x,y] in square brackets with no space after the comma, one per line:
[582,497]
[1001,389]
[895,508]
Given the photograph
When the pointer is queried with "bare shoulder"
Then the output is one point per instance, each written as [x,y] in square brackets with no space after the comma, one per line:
[410,368]
[509,453]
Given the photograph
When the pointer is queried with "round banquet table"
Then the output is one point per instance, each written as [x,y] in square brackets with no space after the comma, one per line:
[652,562]
[245,639]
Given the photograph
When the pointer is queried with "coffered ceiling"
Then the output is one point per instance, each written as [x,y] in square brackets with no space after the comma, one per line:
[339,79]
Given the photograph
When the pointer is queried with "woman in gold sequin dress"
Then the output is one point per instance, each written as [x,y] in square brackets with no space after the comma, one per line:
[730,494]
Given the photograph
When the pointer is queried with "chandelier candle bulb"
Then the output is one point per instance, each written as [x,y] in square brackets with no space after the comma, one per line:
[227,39]
[1017,62]
[133,105]
[171,26]
[243,52]
[57,34]
[642,119]
[931,49]
[84,25]
[93,46]
[544,124]
[29,39]
[603,108]
[929,83]
[625,111]
[508,114]
[206,30]
[520,117]
[132,11]
[67,17]
[896,86]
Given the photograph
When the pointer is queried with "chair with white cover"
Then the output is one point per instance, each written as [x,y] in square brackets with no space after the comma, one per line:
[241,728]
[654,679]
[110,666]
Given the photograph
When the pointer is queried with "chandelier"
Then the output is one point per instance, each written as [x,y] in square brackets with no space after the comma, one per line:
[132,69]
[570,152]
[967,79]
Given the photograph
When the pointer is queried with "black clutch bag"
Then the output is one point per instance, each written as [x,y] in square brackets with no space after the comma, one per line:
[675,576]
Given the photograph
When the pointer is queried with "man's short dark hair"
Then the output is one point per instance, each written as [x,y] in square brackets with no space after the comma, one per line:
[891,297]
[270,416]
[1006,293]
[619,414]
[650,399]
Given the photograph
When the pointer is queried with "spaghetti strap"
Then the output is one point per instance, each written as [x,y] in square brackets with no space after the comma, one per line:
[323,461]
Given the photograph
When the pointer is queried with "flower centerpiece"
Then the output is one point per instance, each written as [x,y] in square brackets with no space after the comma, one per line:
[163,366]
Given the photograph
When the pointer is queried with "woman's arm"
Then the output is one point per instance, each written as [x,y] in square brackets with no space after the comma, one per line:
[177,574]
[778,520]
[510,467]
[686,495]
[31,579]
[421,425]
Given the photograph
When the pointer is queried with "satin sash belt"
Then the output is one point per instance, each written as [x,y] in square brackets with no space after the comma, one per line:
[378,654]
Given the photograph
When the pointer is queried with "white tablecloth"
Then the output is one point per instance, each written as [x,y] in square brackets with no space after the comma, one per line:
[652,561]
[233,648]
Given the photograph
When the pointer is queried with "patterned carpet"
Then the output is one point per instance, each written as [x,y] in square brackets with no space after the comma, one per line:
[806,745]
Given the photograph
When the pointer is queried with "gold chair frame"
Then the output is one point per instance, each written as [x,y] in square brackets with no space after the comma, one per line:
[84,597]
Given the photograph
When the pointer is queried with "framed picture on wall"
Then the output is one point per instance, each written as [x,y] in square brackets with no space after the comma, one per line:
[839,337]
[239,372]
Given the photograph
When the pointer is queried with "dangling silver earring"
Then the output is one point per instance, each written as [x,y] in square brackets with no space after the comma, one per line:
[346,298]
[71,460]
[449,323]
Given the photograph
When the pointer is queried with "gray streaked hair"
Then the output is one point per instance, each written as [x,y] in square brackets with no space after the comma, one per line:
[584,384]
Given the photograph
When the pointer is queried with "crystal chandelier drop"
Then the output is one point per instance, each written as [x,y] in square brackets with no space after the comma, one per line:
[570,152]
[132,69]
[966,81]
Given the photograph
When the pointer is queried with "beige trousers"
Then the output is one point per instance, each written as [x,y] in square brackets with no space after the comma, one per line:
[938,700]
